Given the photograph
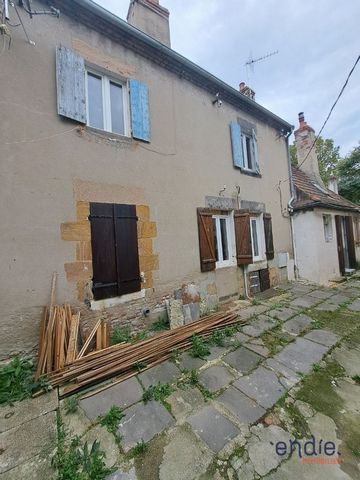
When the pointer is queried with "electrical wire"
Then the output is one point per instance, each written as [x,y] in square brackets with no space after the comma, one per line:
[331,110]
[33,140]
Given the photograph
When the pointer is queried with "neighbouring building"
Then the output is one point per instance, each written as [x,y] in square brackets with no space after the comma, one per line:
[136,175]
[326,225]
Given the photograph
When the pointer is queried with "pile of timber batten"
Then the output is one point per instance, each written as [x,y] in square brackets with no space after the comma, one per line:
[59,337]
[124,360]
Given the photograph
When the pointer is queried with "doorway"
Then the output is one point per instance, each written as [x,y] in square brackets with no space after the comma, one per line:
[345,243]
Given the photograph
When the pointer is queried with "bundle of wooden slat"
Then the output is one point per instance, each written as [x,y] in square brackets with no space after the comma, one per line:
[124,360]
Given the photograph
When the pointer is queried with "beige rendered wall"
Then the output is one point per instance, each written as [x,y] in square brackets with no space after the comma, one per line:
[48,164]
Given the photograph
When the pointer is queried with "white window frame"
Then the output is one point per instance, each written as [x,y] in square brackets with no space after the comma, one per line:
[244,136]
[328,227]
[105,84]
[230,235]
[260,238]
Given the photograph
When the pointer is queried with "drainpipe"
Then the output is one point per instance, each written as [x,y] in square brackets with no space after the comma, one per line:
[290,208]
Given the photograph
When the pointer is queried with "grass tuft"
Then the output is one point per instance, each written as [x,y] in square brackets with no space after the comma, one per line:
[199,347]
[111,419]
[157,392]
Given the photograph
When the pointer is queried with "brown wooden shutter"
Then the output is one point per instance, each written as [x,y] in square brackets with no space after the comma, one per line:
[206,240]
[340,245]
[243,237]
[269,242]
[351,241]
[127,254]
[105,281]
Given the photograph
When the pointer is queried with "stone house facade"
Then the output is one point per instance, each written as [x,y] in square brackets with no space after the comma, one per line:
[133,173]
[326,225]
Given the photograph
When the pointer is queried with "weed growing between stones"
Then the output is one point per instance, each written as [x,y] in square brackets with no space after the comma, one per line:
[160,325]
[199,347]
[139,449]
[140,366]
[16,381]
[120,335]
[71,404]
[255,301]
[157,392]
[356,379]
[111,419]
[299,426]
[275,339]
[74,460]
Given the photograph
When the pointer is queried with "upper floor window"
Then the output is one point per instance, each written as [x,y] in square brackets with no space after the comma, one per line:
[107,106]
[244,148]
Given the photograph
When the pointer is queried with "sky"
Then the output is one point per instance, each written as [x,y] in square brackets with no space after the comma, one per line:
[317,41]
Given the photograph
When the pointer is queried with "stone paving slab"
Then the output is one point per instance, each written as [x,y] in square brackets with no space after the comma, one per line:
[242,359]
[338,299]
[262,385]
[213,428]
[122,395]
[327,307]
[217,352]
[350,292]
[282,314]
[239,337]
[301,355]
[325,337]
[14,415]
[143,422]
[299,289]
[166,372]
[259,349]
[189,362]
[354,306]
[252,311]
[246,411]
[259,326]
[37,468]
[216,377]
[131,475]
[184,402]
[287,377]
[322,294]
[37,436]
[305,302]
[297,324]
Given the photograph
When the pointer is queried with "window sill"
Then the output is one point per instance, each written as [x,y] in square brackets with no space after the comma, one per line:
[113,302]
[110,136]
[225,265]
[251,173]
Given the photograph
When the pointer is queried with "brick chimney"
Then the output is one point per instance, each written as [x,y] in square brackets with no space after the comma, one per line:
[151,18]
[333,184]
[247,91]
[304,138]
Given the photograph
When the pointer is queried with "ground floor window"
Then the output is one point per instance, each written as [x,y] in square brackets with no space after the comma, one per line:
[115,253]
[257,238]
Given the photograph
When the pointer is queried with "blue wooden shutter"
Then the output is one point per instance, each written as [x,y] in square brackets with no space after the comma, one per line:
[140,112]
[254,152]
[70,82]
[237,152]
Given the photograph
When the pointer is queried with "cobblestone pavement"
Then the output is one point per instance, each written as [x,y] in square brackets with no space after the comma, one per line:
[236,419]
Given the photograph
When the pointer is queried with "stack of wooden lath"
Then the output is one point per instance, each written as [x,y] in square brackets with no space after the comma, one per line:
[59,337]
[126,360]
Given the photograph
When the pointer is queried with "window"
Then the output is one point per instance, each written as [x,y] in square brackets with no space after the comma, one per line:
[257,238]
[244,148]
[115,255]
[223,234]
[107,105]
[328,232]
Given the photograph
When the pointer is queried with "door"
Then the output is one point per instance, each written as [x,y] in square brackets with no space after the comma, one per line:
[345,243]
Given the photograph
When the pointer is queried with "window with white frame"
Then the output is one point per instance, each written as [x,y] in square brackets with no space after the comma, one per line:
[249,161]
[107,103]
[257,238]
[223,235]
[328,231]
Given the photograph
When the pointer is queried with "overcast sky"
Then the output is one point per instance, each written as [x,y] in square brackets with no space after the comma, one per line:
[318,42]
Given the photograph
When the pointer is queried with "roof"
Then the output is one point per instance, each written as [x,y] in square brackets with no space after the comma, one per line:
[311,195]
[98,18]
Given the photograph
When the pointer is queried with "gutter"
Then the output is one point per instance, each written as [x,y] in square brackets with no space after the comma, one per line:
[133,32]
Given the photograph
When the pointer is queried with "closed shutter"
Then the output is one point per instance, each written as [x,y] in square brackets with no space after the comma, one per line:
[105,281]
[269,243]
[140,111]
[127,255]
[114,250]
[340,245]
[351,241]
[264,279]
[236,144]
[70,83]
[243,237]
[206,240]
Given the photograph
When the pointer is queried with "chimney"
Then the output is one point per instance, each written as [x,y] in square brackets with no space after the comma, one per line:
[151,18]
[247,91]
[304,138]
[333,184]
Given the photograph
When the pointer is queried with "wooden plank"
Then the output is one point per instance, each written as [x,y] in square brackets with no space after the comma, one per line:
[99,333]
[72,344]
[42,345]
[88,341]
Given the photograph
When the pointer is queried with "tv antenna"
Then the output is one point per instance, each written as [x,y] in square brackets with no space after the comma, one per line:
[250,63]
